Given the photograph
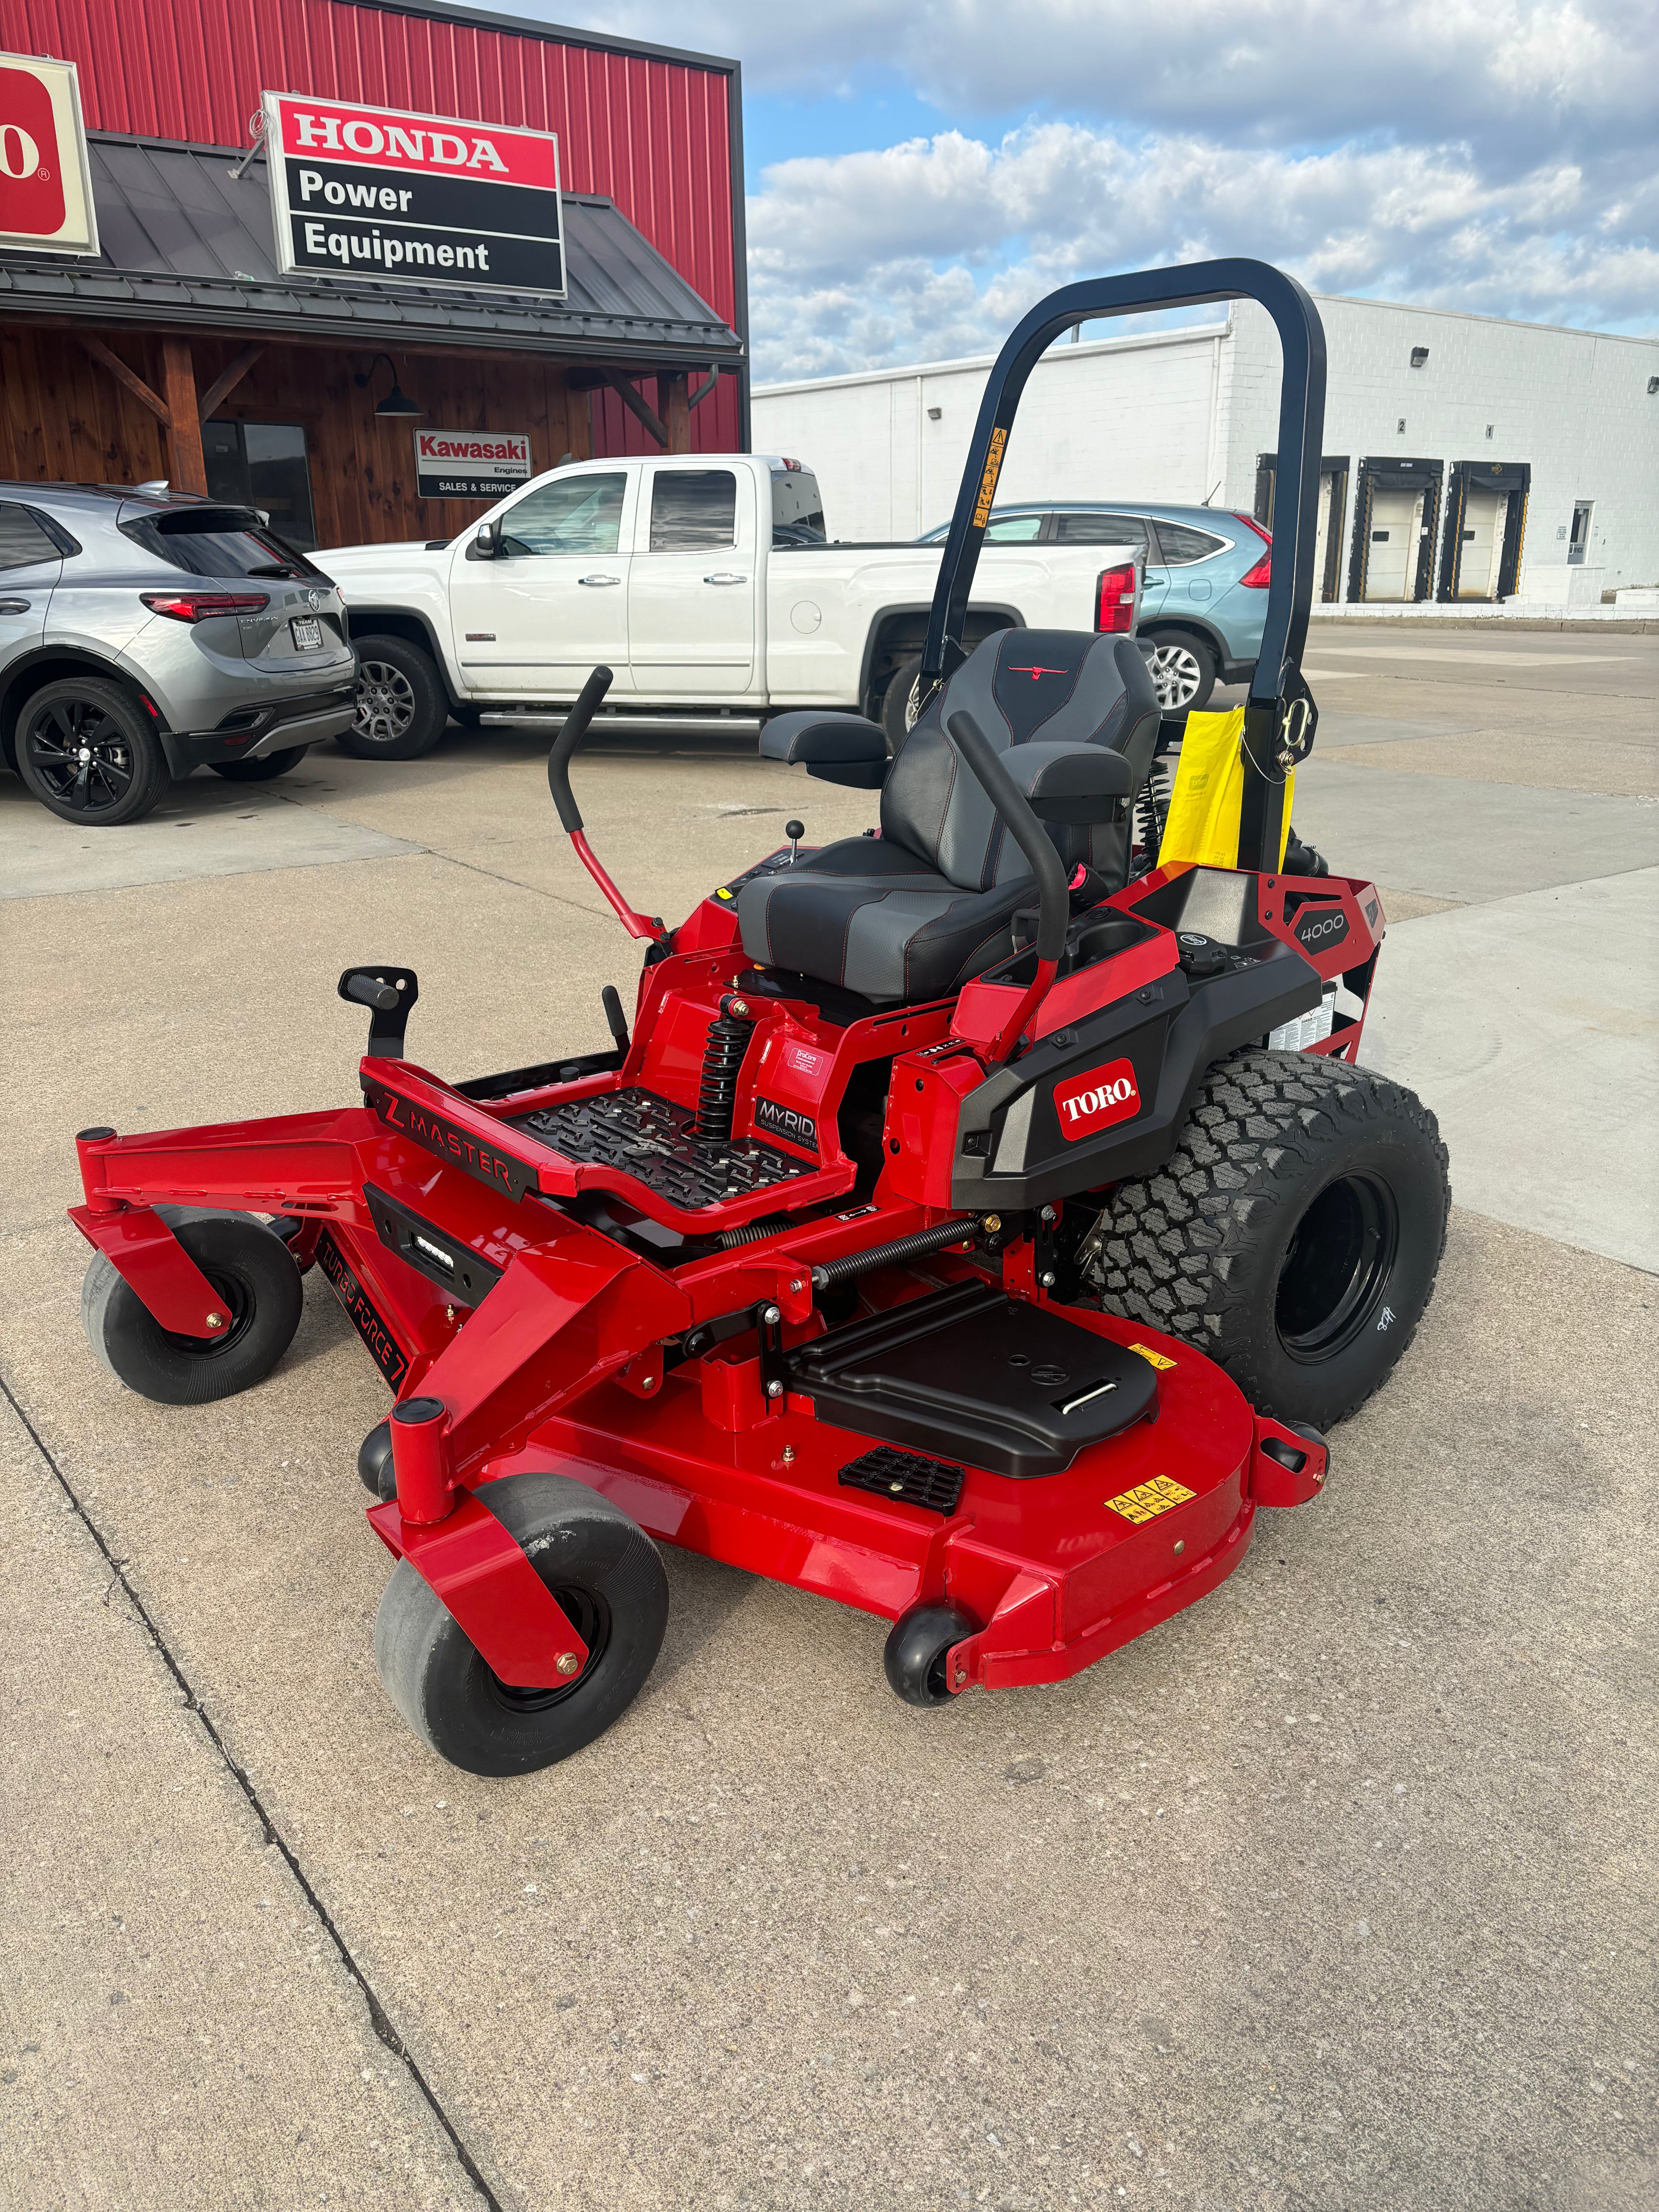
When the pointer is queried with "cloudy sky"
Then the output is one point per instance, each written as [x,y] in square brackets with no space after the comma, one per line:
[919,171]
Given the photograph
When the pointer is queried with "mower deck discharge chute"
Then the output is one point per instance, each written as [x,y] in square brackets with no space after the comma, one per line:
[952,1234]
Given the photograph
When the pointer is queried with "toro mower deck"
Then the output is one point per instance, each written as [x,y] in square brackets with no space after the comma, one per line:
[947,1234]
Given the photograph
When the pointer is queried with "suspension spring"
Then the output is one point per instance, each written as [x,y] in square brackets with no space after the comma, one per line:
[722,1060]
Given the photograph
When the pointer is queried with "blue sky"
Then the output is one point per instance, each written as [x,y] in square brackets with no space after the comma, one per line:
[919,171]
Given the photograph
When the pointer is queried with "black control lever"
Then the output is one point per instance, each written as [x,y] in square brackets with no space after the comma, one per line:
[794,831]
[572,731]
[616,1020]
[388,993]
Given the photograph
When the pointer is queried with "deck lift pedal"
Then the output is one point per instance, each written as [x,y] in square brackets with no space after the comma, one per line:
[943,1237]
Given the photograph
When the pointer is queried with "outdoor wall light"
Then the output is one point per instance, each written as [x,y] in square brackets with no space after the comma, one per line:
[397,402]
[1653,386]
[934,413]
[1420,354]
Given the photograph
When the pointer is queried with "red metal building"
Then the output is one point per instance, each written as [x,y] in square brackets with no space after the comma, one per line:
[651,159]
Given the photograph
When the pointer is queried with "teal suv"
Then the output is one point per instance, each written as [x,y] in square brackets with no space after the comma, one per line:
[1205,586]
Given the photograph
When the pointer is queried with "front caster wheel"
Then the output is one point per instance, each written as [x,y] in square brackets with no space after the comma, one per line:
[604,1571]
[258,1286]
[917,1648]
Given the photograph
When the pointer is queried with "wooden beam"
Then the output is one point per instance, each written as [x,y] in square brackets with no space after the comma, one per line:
[228,379]
[635,406]
[671,398]
[135,385]
[184,423]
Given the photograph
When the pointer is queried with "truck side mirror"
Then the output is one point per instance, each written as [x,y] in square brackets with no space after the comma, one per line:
[487,542]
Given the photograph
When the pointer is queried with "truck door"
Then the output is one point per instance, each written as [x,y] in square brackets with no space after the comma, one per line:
[535,622]
[693,584]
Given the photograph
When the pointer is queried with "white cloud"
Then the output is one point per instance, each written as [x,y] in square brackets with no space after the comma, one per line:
[934,248]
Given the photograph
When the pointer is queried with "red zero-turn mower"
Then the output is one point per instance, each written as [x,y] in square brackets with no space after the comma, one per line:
[946,1239]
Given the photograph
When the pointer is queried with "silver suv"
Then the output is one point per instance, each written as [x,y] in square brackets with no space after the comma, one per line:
[144,634]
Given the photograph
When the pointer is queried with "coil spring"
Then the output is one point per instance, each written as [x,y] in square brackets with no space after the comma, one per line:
[722,1059]
[1153,811]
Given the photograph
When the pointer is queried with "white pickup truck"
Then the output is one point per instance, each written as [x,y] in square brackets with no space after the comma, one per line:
[706,582]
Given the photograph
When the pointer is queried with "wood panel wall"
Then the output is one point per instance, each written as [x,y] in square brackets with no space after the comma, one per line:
[65,419]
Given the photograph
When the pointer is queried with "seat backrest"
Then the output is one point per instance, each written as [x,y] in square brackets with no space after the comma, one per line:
[1062,686]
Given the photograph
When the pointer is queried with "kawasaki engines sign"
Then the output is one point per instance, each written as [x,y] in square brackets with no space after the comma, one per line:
[470,464]
[377,197]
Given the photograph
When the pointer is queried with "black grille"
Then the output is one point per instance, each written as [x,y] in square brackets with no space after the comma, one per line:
[933,1483]
[655,1140]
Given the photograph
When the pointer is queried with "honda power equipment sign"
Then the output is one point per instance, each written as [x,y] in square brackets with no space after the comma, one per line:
[470,464]
[45,187]
[380,196]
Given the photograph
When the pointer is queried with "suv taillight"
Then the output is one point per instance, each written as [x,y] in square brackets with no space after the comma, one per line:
[1257,578]
[200,606]
[1115,598]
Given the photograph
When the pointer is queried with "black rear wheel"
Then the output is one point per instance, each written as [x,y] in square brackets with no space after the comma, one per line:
[1294,1236]
[604,1570]
[260,771]
[86,749]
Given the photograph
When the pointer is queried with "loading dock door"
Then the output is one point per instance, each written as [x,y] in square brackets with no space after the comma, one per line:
[1332,505]
[1396,528]
[1484,514]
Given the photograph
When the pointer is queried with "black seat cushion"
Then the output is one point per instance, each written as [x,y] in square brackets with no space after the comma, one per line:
[868,915]
[921,910]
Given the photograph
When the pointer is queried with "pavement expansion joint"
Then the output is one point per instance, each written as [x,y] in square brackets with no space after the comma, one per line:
[379,2020]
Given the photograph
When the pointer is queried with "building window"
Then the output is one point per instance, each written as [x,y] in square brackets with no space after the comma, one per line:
[264,465]
[1578,544]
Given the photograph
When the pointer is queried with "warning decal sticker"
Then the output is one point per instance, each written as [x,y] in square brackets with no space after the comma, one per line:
[1148,1499]
[1157,1359]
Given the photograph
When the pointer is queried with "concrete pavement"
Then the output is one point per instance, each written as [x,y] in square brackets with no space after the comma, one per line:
[1331,1893]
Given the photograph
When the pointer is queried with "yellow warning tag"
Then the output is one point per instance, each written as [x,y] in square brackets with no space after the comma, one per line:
[1148,1499]
[722,893]
[1157,1357]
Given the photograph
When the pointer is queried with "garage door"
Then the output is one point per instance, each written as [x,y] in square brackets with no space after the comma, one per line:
[1484,514]
[1391,556]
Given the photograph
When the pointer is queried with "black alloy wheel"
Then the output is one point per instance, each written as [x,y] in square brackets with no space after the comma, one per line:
[85,751]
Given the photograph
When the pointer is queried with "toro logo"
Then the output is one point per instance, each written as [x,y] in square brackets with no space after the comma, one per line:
[1319,927]
[1095,1101]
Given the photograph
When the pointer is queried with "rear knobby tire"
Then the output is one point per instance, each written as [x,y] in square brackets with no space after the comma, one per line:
[605,1572]
[1294,1236]
[253,1273]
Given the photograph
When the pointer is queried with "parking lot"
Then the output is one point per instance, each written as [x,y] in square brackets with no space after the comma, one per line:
[1337,1890]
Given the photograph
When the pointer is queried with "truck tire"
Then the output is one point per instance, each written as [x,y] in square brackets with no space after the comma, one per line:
[899,702]
[401,705]
[1294,1236]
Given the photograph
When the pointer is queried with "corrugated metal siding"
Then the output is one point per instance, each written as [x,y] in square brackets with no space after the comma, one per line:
[655,135]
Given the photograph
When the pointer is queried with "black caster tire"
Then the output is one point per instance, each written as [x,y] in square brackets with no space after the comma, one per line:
[374,1468]
[401,704]
[254,1274]
[605,1572]
[917,1647]
[260,771]
[123,772]
[1294,1236]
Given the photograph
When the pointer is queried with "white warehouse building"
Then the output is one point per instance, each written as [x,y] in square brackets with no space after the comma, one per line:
[1467,460]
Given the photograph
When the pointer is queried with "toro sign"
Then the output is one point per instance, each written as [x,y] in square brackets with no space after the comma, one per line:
[470,464]
[45,187]
[379,197]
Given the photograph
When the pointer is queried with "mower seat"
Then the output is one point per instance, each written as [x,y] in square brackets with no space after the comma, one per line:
[919,911]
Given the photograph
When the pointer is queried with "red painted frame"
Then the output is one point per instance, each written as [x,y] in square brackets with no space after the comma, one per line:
[562,1363]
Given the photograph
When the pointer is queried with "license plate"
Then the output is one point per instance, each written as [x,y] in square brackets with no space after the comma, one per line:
[308,634]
